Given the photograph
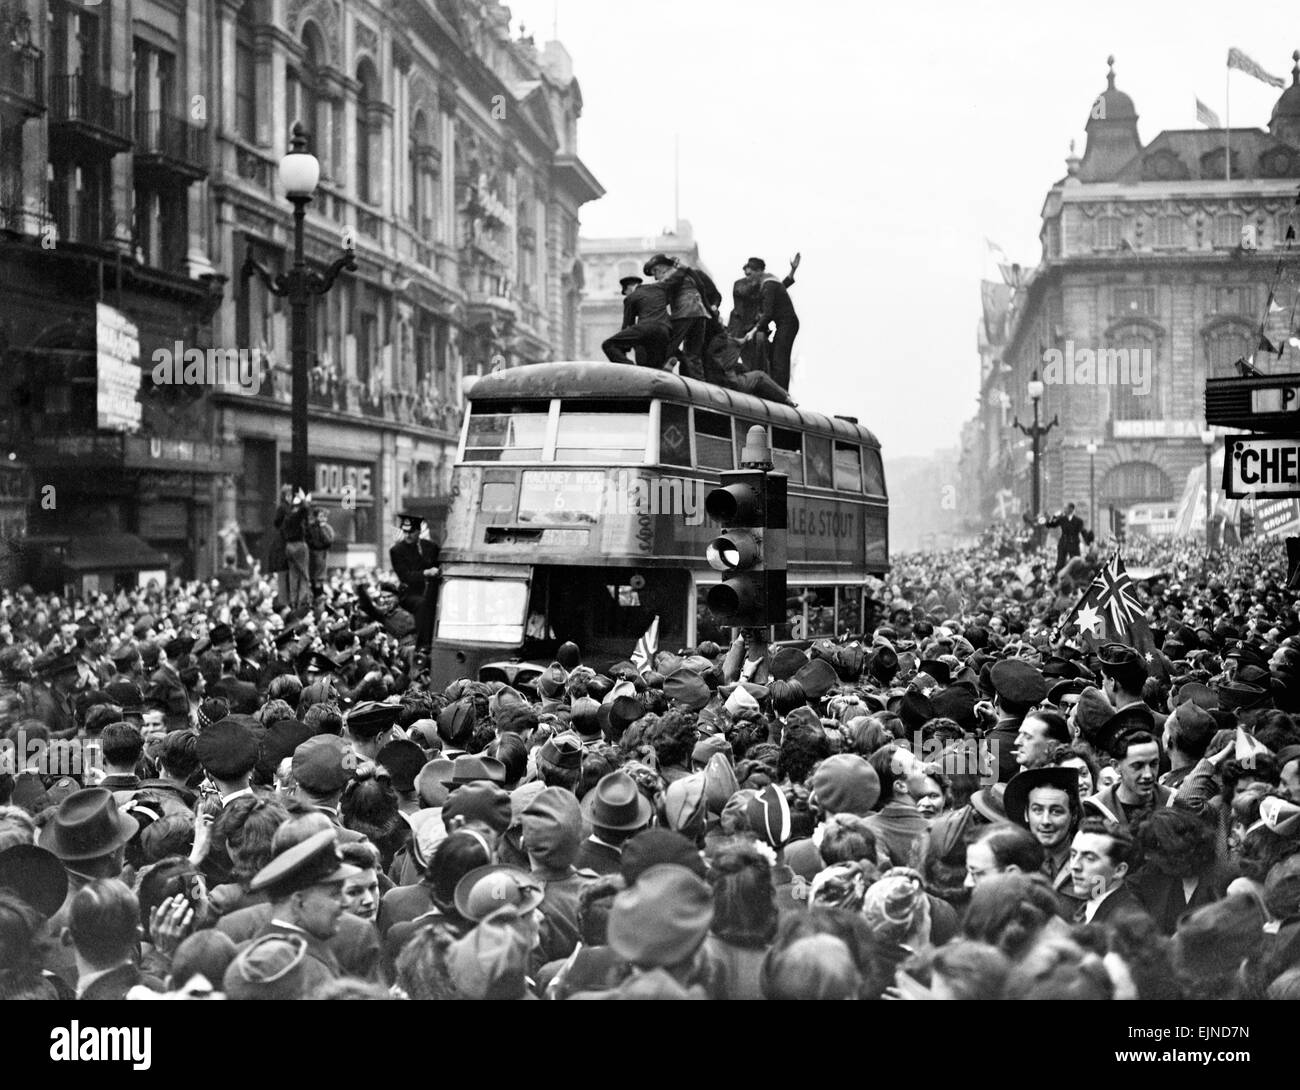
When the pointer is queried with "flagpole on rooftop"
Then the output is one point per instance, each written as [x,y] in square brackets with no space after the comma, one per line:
[1227,123]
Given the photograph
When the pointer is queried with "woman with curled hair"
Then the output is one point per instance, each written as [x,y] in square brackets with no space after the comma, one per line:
[1011,912]
[422,971]
[744,915]
[370,806]
[244,831]
[1179,870]
[961,969]
[1080,757]
[864,735]
[1057,968]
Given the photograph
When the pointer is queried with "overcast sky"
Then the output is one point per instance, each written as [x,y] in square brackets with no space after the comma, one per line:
[885,141]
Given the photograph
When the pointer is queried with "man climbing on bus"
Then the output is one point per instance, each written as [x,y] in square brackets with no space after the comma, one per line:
[415,560]
[646,328]
[694,299]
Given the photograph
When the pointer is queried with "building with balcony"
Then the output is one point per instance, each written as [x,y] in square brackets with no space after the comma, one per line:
[449,163]
[605,261]
[1159,255]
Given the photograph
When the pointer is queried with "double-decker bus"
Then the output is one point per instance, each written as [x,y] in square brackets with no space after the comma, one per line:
[577,514]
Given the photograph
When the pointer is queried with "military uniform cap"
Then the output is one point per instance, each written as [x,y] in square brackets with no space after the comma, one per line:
[316,861]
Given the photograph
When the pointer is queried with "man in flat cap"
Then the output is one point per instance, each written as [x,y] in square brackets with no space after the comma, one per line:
[322,767]
[415,560]
[305,887]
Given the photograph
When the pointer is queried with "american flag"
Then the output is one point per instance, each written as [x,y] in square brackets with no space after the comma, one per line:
[647,647]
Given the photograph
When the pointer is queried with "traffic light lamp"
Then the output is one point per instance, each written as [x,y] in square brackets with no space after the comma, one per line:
[750,551]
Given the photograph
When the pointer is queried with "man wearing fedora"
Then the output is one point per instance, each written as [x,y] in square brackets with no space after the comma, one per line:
[88,834]
[616,811]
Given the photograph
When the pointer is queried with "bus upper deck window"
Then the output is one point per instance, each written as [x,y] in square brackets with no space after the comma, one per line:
[848,467]
[674,435]
[712,440]
[874,472]
[511,433]
[602,431]
[817,453]
[787,453]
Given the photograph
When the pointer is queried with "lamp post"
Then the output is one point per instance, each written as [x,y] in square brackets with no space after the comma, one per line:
[1092,487]
[1036,434]
[299,174]
[1207,441]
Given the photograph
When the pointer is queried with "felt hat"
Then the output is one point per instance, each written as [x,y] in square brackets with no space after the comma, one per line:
[480,801]
[616,803]
[687,688]
[403,759]
[323,764]
[654,262]
[1015,801]
[768,815]
[87,825]
[663,918]
[650,847]
[274,967]
[818,677]
[685,804]
[786,663]
[485,889]
[563,750]
[552,825]
[989,802]
[36,875]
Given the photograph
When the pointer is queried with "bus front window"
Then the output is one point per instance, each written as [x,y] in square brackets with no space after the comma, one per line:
[482,610]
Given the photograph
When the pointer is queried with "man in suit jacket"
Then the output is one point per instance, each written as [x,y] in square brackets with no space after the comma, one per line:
[774,306]
[415,560]
[1100,856]
[646,327]
[1017,687]
[693,300]
[103,924]
[1071,527]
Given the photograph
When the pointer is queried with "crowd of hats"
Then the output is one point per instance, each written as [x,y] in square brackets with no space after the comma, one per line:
[669,831]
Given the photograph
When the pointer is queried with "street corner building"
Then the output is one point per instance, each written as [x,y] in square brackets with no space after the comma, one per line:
[139,152]
[1154,275]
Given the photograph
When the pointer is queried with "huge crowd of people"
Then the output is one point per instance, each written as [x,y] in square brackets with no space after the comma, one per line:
[208,792]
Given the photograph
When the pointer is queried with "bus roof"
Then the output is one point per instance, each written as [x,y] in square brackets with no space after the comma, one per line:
[589,379]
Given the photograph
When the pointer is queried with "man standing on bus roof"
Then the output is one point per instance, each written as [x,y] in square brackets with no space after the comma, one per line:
[415,560]
[694,299]
[626,286]
[745,299]
[646,328]
[774,305]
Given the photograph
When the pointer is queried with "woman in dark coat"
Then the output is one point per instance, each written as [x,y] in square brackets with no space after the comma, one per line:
[1179,870]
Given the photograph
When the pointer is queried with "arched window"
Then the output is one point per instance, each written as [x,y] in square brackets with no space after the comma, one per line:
[1226,343]
[302,91]
[1129,365]
[245,74]
[367,95]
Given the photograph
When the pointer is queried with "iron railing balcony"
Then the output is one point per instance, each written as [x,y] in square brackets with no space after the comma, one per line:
[169,145]
[84,115]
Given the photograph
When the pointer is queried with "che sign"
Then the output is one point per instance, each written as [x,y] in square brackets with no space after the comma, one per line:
[1261,465]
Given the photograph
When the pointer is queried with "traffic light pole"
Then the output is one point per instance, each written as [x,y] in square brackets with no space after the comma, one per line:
[751,550]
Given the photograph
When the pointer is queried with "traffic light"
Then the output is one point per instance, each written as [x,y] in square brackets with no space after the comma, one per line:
[750,551]
[1247,525]
[1121,517]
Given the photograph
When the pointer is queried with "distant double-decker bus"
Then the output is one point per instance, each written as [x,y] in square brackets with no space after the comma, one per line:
[578,514]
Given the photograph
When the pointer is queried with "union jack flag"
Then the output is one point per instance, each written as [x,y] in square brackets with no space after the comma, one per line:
[1115,596]
[646,647]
